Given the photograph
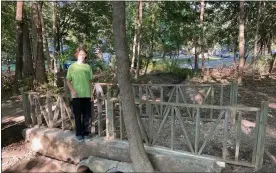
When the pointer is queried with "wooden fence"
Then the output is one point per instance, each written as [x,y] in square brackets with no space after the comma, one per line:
[190,118]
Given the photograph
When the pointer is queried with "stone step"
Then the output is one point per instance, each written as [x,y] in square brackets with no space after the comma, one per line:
[62,145]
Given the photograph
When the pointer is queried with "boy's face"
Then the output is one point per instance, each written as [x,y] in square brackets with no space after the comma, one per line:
[81,56]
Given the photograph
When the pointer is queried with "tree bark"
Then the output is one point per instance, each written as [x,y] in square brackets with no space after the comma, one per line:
[137,151]
[19,40]
[28,69]
[235,52]
[40,73]
[54,63]
[201,34]
[134,45]
[196,58]
[241,42]
[139,37]
[152,44]
[47,53]
[256,35]
[34,33]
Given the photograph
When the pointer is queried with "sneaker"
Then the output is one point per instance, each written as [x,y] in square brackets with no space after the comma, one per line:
[79,138]
[87,138]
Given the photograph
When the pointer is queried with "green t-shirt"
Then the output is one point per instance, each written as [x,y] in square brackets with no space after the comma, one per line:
[80,76]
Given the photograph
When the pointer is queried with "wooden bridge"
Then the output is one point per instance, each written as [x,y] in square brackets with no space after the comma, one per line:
[204,120]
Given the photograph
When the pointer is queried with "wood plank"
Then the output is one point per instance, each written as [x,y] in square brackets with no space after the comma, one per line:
[261,135]
[50,112]
[212,102]
[150,124]
[178,115]
[57,110]
[225,134]
[212,132]
[194,95]
[109,115]
[238,137]
[186,85]
[234,108]
[62,113]
[256,132]
[197,130]
[172,128]
[99,110]
[161,99]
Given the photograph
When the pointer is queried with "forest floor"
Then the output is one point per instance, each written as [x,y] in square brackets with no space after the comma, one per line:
[17,156]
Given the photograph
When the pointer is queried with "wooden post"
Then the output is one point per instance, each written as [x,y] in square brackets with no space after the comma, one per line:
[238,137]
[100,111]
[32,111]
[172,128]
[62,113]
[26,108]
[109,115]
[50,113]
[234,99]
[212,101]
[93,125]
[261,135]
[225,134]
[197,131]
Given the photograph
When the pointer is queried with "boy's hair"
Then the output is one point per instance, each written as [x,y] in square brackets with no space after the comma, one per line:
[78,50]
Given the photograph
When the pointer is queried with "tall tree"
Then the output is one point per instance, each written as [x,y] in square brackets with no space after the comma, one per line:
[134,44]
[40,73]
[34,32]
[44,36]
[139,37]
[28,69]
[202,34]
[256,37]
[138,154]
[19,40]
[241,42]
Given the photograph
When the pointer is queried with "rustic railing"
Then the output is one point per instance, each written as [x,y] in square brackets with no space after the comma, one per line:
[200,119]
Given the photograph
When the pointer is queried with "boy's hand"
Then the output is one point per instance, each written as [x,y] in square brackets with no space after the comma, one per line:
[74,93]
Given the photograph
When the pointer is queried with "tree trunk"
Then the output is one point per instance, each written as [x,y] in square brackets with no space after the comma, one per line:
[256,35]
[28,69]
[151,41]
[196,58]
[54,35]
[241,42]
[47,53]
[139,37]
[19,40]
[235,52]
[134,45]
[201,35]
[137,151]
[272,63]
[34,34]
[40,73]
